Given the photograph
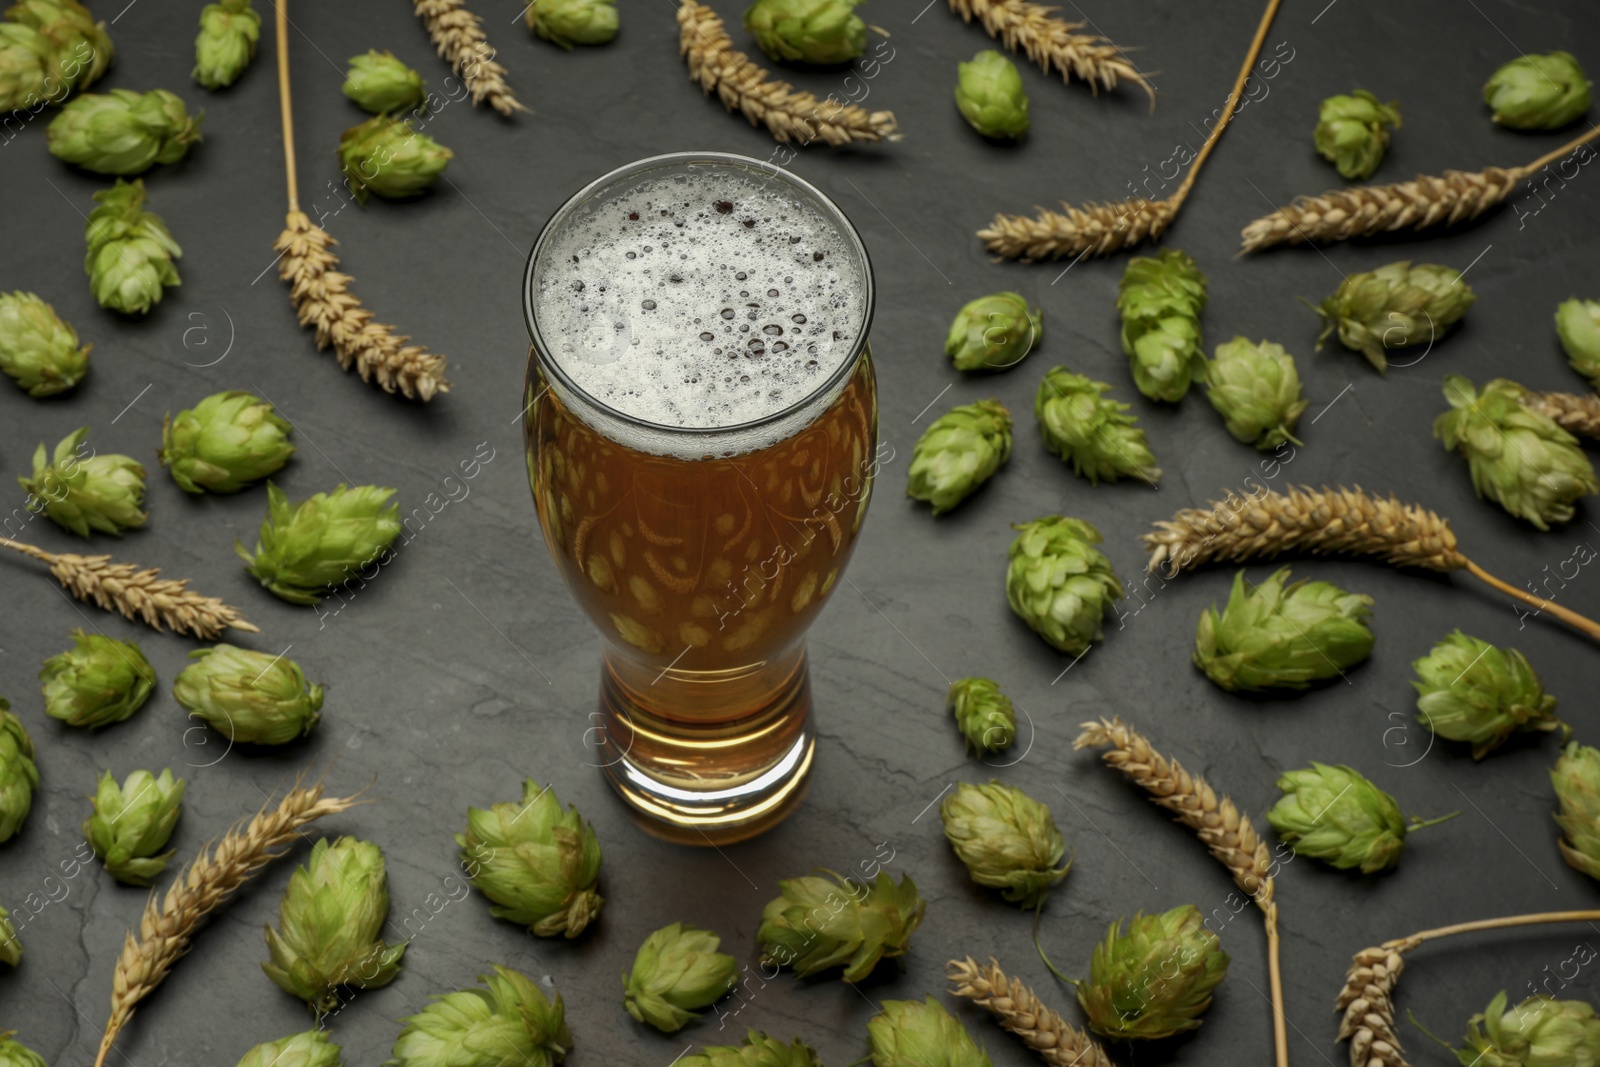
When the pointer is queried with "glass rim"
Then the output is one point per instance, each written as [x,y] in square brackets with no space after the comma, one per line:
[555,373]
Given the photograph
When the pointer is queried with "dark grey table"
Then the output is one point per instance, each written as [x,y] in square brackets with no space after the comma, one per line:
[466,666]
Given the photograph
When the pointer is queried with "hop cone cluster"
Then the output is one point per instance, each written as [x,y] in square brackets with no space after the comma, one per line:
[1059,583]
[1469,690]
[509,1024]
[1156,979]
[14,1053]
[1353,132]
[989,96]
[385,156]
[224,443]
[1278,636]
[571,22]
[1334,814]
[1539,92]
[19,775]
[984,714]
[324,540]
[86,492]
[1576,778]
[958,452]
[132,823]
[130,255]
[378,82]
[757,1050]
[229,30]
[1160,299]
[909,1034]
[1519,458]
[1395,306]
[38,350]
[123,132]
[676,972]
[823,32]
[993,332]
[10,946]
[1006,839]
[1086,428]
[537,863]
[249,696]
[1578,325]
[1256,389]
[816,923]
[98,681]
[313,1048]
[1539,1032]
[48,48]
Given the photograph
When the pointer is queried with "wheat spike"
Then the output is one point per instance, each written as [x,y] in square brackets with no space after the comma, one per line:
[1020,1012]
[169,923]
[1052,42]
[1575,414]
[744,86]
[458,35]
[1368,1022]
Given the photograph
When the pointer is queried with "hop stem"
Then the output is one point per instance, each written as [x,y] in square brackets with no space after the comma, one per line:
[1039,947]
[1423,824]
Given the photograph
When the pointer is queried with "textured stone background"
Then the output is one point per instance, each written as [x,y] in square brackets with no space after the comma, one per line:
[466,666]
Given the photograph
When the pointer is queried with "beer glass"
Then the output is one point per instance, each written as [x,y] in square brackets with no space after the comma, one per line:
[701,427]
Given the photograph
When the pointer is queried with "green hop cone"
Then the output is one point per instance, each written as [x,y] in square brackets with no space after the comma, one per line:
[1334,814]
[536,863]
[1083,425]
[912,1034]
[1059,583]
[757,1050]
[131,824]
[305,549]
[10,946]
[328,925]
[958,452]
[984,714]
[83,492]
[314,1048]
[816,923]
[378,82]
[1006,839]
[224,443]
[989,96]
[385,156]
[1256,389]
[1155,980]
[823,32]
[993,332]
[26,56]
[1540,92]
[229,30]
[14,1053]
[1519,458]
[123,132]
[1578,325]
[570,22]
[249,696]
[676,972]
[1395,306]
[1539,1032]
[38,350]
[1353,132]
[1469,690]
[98,681]
[19,775]
[81,48]
[1576,778]
[1273,636]
[1160,299]
[129,261]
[510,1024]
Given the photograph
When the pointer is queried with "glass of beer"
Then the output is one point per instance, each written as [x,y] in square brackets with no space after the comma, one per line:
[701,424]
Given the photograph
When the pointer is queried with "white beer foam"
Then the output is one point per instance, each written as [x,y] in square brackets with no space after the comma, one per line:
[701,300]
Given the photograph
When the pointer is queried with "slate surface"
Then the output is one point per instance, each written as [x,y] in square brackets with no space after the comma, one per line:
[466,665]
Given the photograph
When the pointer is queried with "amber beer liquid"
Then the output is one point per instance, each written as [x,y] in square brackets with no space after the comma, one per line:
[701,430]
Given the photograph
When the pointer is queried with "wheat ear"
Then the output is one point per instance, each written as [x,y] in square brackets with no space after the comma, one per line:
[1325,522]
[169,923]
[1575,414]
[162,603]
[1021,1012]
[458,35]
[1102,228]
[744,86]
[1225,830]
[1368,210]
[1050,41]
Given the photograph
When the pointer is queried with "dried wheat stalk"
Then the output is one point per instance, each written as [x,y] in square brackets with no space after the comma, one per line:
[1367,210]
[1051,41]
[1573,413]
[1021,1012]
[458,35]
[170,923]
[743,85]
[162,603]
[1102,228]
